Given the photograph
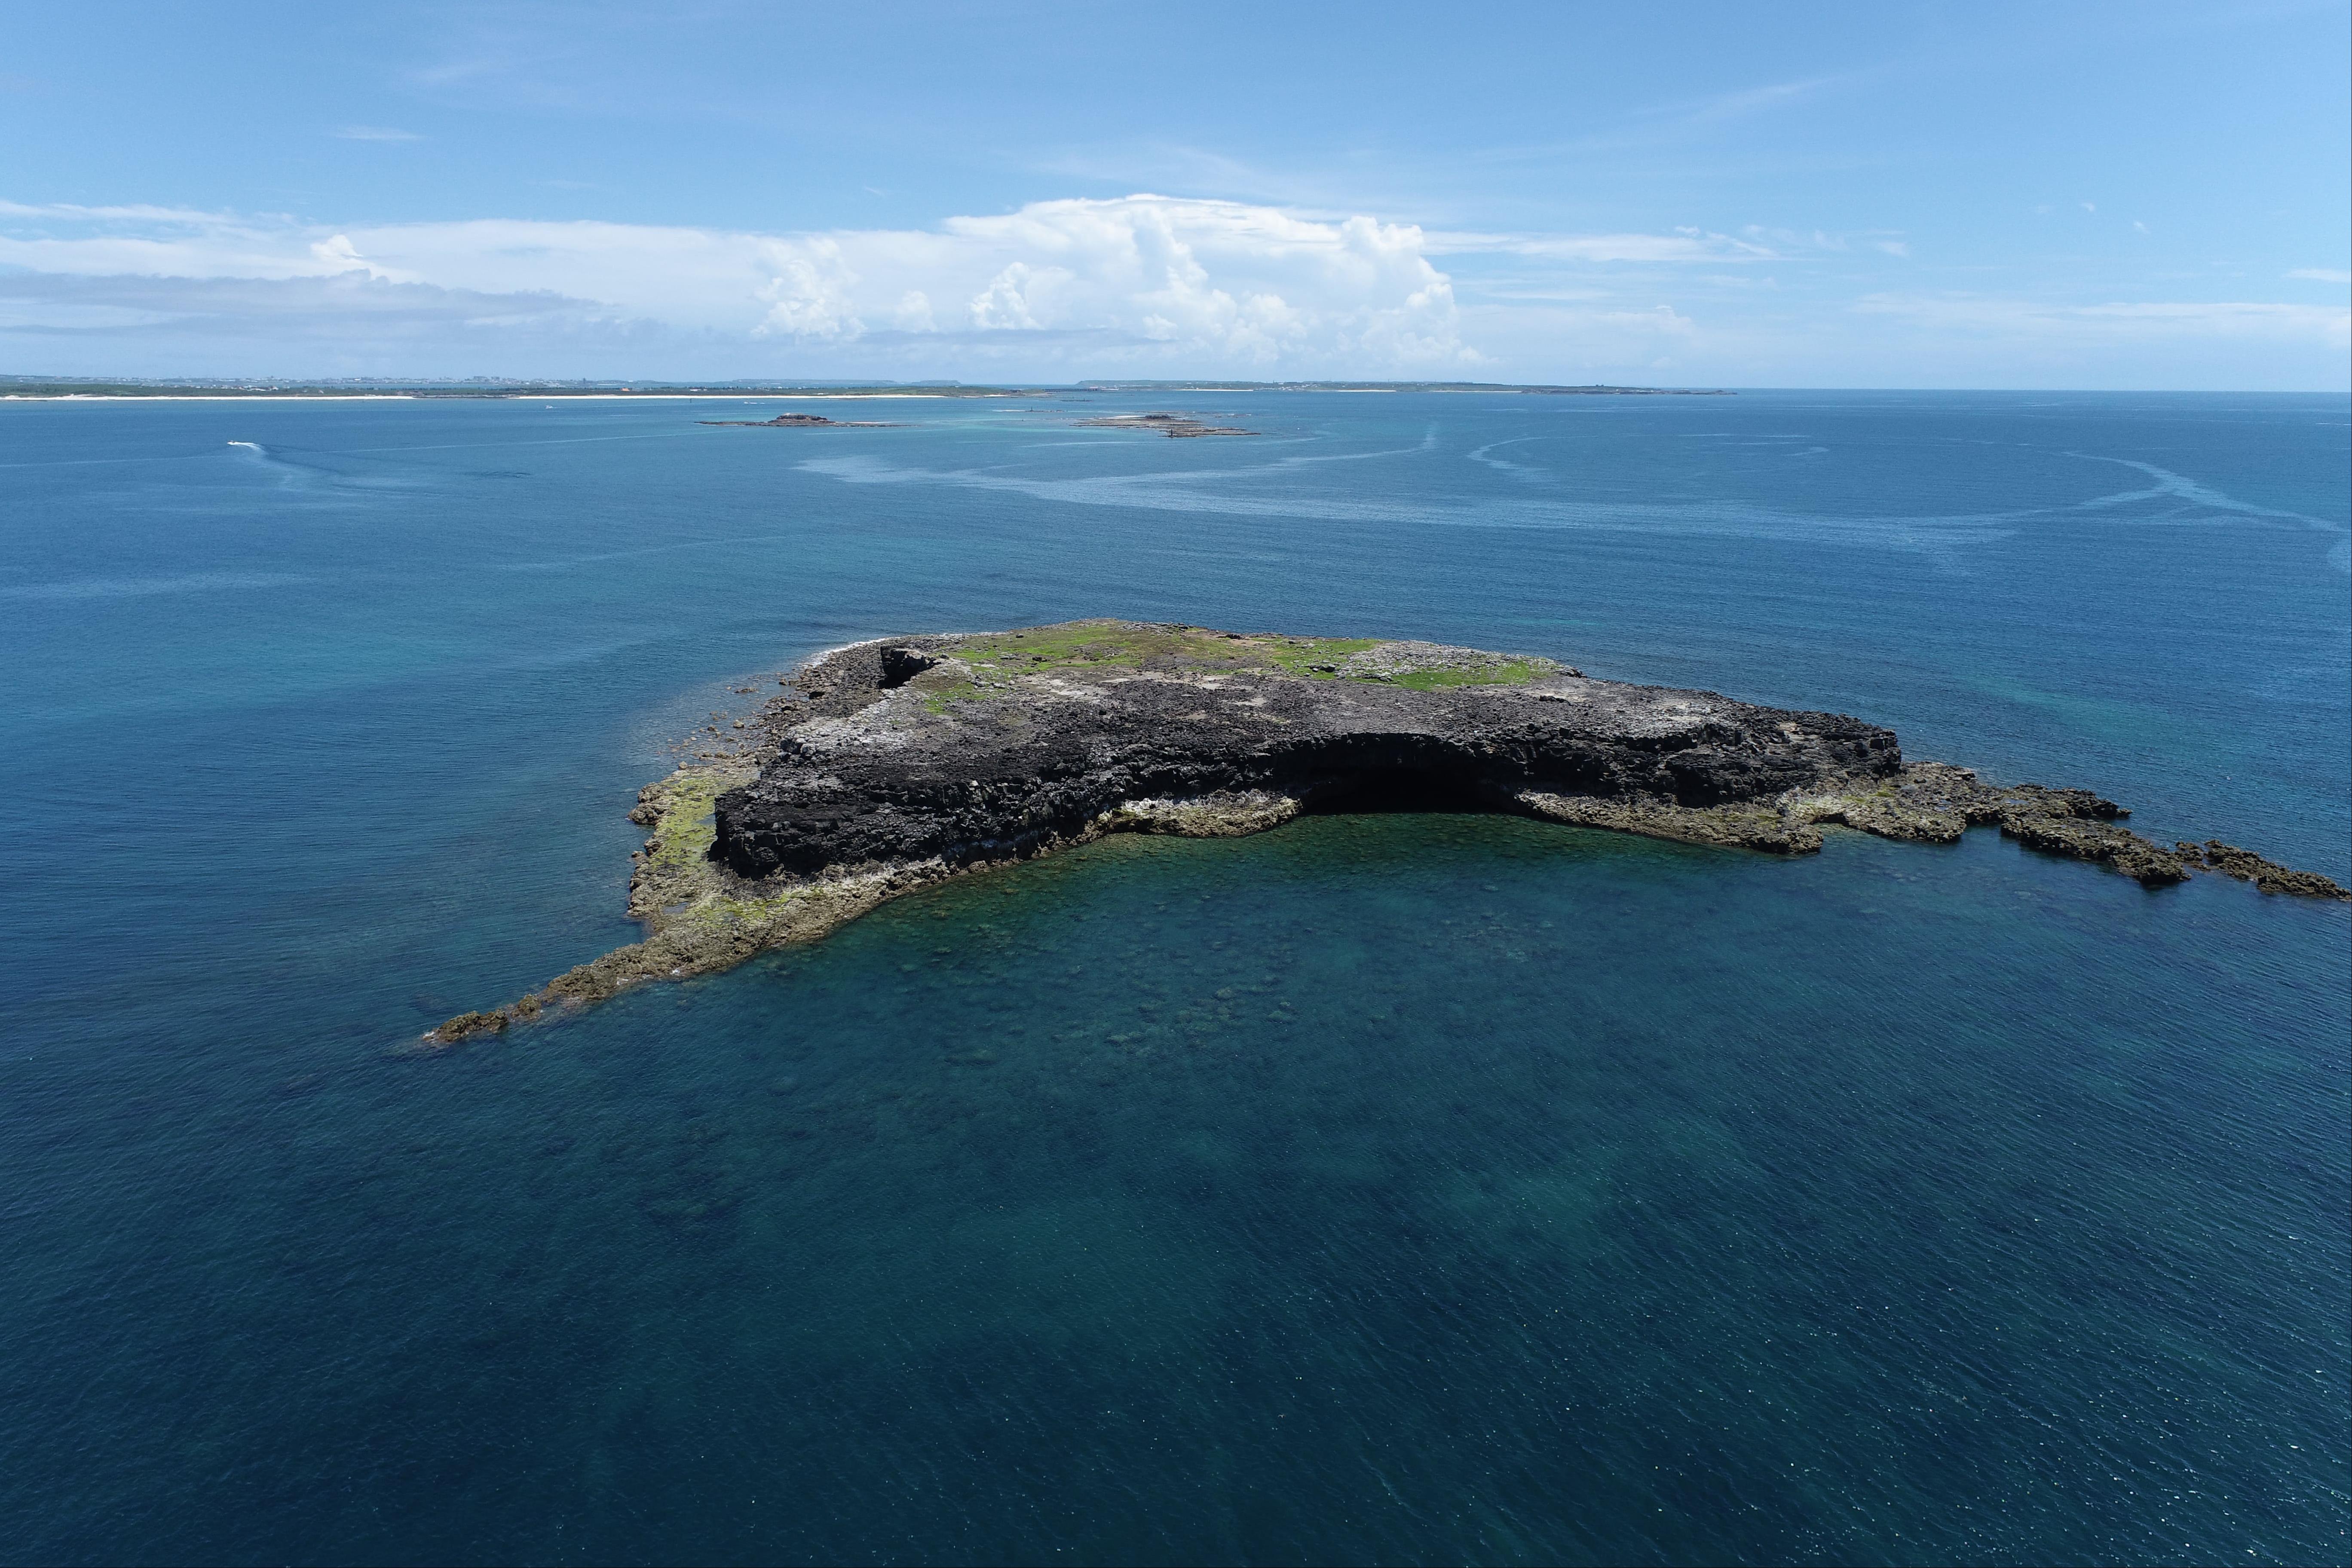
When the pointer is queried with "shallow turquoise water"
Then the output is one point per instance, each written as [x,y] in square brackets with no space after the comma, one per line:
[1383,1188]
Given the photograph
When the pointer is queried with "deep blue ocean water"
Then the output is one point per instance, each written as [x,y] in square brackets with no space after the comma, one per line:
[1380,1189]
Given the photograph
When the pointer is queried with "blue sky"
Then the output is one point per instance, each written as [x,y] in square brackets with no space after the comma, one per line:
[2145,195]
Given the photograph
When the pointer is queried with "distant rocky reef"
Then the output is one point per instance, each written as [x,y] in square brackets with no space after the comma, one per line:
[800,422]
[895,764]
[1176,425]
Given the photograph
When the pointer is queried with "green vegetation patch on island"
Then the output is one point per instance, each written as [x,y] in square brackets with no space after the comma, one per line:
[893,763]
[1097,645]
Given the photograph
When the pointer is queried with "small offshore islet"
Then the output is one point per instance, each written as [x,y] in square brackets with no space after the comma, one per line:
[894,764]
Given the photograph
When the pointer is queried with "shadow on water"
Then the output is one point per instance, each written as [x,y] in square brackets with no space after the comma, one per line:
[1416,790]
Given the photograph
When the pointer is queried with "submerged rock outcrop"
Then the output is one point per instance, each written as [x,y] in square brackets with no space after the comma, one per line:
[893,763]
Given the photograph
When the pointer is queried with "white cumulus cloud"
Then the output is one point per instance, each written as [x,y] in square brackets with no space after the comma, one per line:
[1137,280]
[1056,291]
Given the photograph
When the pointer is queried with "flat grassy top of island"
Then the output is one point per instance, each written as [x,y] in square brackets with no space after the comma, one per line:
[1104,645]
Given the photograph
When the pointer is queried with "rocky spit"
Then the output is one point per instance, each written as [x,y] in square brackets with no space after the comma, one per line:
[890,765]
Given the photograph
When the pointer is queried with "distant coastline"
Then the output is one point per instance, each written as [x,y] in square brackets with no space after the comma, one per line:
[79,389]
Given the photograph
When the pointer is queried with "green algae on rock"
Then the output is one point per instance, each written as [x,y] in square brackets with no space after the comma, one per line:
[894,764]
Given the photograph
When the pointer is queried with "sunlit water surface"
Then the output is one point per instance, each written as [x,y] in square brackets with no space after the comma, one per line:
[1383,1188]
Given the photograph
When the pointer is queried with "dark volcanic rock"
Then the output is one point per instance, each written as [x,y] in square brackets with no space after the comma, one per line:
[974,747]
[904,760]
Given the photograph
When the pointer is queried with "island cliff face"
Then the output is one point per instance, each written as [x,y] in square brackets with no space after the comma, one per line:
[976,748]
[897,762]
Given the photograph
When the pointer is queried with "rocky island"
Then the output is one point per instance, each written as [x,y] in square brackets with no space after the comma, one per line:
[1176,426]
[890,765]
[798,422]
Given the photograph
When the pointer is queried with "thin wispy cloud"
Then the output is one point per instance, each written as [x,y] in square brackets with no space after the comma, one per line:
[1316,192]
[2322,274]
[375,133]
[1675,123]
[348,308]
[1739,104]
[2122,320]
[459,70]
[1684,245]
[139,212]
